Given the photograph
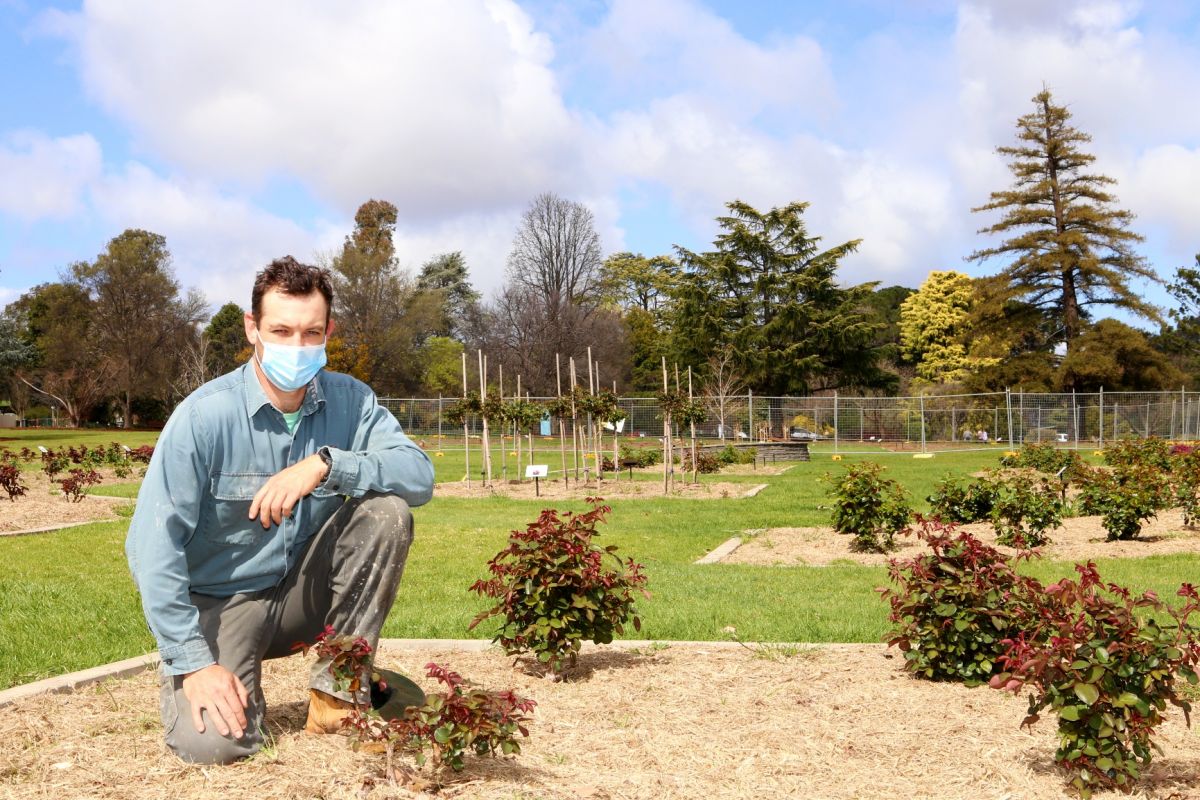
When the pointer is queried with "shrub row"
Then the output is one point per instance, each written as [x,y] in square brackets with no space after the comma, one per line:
[1104,662]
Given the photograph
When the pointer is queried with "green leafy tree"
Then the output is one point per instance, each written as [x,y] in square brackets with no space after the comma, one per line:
[226,337]
[441,357]
[633,281]
[67,369]
[1180,341]
[771,293]
[139,321]
[1118,357]
[447,275]
[1070,246]
[382,318]
[934,327]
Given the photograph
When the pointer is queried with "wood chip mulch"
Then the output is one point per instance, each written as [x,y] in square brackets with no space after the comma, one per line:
[683,721]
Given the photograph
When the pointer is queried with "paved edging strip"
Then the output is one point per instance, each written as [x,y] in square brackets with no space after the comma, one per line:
[77,680]
[132,666]
[722,550]
[63,527]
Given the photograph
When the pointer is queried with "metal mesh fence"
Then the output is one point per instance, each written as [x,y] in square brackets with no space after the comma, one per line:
[1076,419]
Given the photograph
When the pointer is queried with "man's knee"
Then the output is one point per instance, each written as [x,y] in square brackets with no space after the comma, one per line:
[210,747]
[386,518]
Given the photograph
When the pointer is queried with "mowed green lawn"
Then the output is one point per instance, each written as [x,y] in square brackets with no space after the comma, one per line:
[67,602]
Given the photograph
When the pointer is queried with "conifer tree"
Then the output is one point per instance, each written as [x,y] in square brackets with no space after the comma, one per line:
[770,293]
[1071,247]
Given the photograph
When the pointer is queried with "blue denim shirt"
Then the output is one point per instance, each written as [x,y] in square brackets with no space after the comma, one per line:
[191,531]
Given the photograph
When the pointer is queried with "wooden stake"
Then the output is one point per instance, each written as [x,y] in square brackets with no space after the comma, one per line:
[562,425]
[667,450]
[695,465]
[466,429]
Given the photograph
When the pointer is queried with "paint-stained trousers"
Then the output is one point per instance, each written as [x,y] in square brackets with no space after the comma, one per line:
[347,578]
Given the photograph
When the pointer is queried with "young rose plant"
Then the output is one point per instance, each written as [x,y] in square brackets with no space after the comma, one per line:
[954,606]
[463,719]
[1025,508]
[1106,668]
[872,508]
[555,588]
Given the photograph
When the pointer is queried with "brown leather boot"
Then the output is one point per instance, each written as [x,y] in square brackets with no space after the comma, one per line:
[326,712]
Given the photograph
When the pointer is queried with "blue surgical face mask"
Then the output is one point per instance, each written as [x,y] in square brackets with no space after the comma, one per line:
[290,367]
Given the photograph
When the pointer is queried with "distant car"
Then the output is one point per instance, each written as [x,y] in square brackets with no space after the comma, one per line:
[798,434]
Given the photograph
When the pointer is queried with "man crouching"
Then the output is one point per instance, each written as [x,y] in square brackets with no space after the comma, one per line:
[277,502]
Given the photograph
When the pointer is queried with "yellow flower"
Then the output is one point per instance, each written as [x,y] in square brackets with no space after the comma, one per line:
[1097,452]
[439,453]
[1010,454]
[835,458]
[512,452]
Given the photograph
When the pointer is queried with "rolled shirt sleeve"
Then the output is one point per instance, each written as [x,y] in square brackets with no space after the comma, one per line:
[381,458]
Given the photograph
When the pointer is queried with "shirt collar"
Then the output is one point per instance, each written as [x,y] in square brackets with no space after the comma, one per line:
[256,397]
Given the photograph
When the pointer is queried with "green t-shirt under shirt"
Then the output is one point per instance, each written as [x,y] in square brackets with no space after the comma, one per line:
[292,418]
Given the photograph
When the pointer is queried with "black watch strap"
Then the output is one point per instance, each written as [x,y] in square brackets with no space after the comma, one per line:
[327,457]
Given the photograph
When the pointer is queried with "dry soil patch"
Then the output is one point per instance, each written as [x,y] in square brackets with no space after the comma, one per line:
[1077,539]
[840,721]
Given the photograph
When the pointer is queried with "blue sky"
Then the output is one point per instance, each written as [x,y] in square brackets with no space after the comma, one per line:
[243,131]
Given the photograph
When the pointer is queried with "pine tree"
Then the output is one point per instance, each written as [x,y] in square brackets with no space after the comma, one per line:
[1071,246]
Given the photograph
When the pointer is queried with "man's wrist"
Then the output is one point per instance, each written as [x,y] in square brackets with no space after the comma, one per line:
[326,462]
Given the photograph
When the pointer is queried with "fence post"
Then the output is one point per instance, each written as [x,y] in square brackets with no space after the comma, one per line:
[1101,417]
[922,420]
[1008,403]
[1147,419]
[1020,415]
[835,422]
[1075,413]
[753,430]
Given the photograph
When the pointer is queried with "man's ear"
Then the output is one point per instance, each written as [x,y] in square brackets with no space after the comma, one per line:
[251,327]
[329,329]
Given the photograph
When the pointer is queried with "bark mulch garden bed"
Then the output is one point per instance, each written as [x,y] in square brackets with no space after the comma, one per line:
[44,506]
[677,721]
[1077,539]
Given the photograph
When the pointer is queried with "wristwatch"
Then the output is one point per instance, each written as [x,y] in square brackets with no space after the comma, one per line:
[327,457]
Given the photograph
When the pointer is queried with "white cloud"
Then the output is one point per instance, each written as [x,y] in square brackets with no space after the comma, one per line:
[672,47]
[45,177]
[218,242]
[1162,186]
[443,110]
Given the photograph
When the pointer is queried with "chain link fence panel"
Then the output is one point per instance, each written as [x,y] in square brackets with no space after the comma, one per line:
[1084,419]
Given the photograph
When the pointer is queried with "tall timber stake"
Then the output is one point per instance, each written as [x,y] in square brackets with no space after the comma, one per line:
[562,424]
[503,429]
[466,423]
[575,432]
[668,451]
[483,399]
[692,422]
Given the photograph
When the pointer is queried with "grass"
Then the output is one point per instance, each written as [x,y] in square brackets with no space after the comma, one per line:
[67,601]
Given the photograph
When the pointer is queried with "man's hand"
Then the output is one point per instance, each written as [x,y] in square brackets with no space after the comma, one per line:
[222,693]
[279,495]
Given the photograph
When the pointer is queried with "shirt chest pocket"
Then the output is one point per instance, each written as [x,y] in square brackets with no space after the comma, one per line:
[232,493]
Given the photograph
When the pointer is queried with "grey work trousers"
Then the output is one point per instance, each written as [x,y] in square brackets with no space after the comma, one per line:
[347,578]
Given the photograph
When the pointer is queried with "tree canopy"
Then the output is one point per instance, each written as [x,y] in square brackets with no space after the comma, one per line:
[769,291]
[1069,248]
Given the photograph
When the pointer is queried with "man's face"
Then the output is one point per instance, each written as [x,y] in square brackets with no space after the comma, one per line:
[291,319]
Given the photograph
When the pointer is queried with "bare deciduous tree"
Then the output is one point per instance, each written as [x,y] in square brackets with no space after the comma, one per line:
[723,382]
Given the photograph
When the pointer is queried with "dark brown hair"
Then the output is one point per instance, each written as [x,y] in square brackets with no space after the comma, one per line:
[291,277]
